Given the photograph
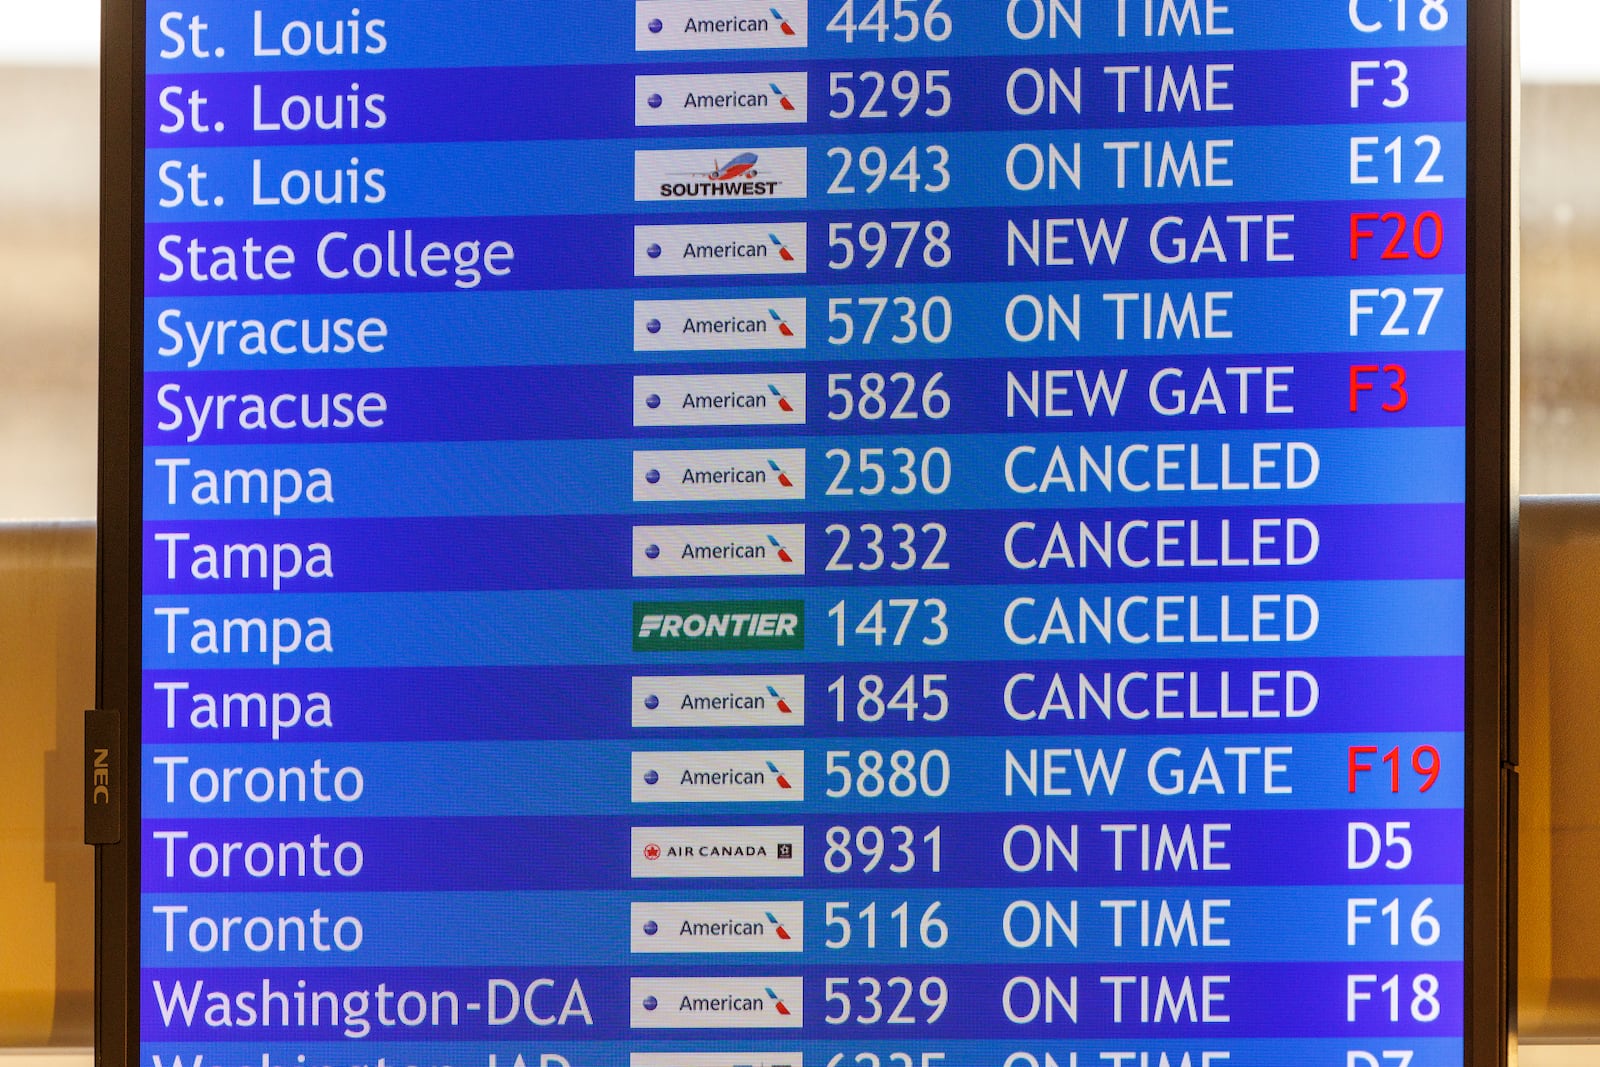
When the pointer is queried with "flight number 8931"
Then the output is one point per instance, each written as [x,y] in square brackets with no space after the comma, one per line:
[863,851]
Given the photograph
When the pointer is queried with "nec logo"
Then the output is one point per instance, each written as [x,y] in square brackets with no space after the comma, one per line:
[101,773]
[102,778]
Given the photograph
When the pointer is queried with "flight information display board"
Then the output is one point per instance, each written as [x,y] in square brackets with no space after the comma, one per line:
[802,533]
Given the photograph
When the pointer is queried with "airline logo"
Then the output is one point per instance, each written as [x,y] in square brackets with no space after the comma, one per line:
[719,325]
[719,626]
[720,474]
[719,852]
[741,248]
[720,99]
[732,174]
[718,926]
[719,400]
[710,25]
[719,777]
[716,1059]
[716,1003]
[716,700]
[718,551]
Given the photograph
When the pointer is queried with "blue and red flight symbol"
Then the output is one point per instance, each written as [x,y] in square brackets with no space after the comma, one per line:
[783,783]
[783,401]
[783,705]
[783,327]
[743,165]
[783,23]
[783,98]
[783,553]
[783,249]
[783,479]
[782,1008]
[783,935]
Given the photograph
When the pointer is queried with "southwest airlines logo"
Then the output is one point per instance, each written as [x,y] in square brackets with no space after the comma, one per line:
[738,167]
[742,174]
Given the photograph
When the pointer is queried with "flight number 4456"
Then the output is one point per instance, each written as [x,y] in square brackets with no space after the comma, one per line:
[881,20]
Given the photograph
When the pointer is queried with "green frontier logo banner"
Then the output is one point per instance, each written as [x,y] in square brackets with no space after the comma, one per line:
[719,625]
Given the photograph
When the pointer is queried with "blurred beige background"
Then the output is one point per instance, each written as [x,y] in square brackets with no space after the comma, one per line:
[49,145]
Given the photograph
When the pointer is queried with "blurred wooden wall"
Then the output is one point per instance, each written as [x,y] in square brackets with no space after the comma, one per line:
[47,664]
[1559,879]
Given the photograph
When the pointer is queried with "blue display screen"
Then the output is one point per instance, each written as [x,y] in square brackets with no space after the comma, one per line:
[803,533]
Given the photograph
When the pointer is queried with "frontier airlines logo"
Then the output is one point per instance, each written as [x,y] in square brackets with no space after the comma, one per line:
[719,625]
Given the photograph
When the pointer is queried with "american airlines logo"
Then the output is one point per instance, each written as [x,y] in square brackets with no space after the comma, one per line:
[717,1003]
[724,99]
[714,25]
